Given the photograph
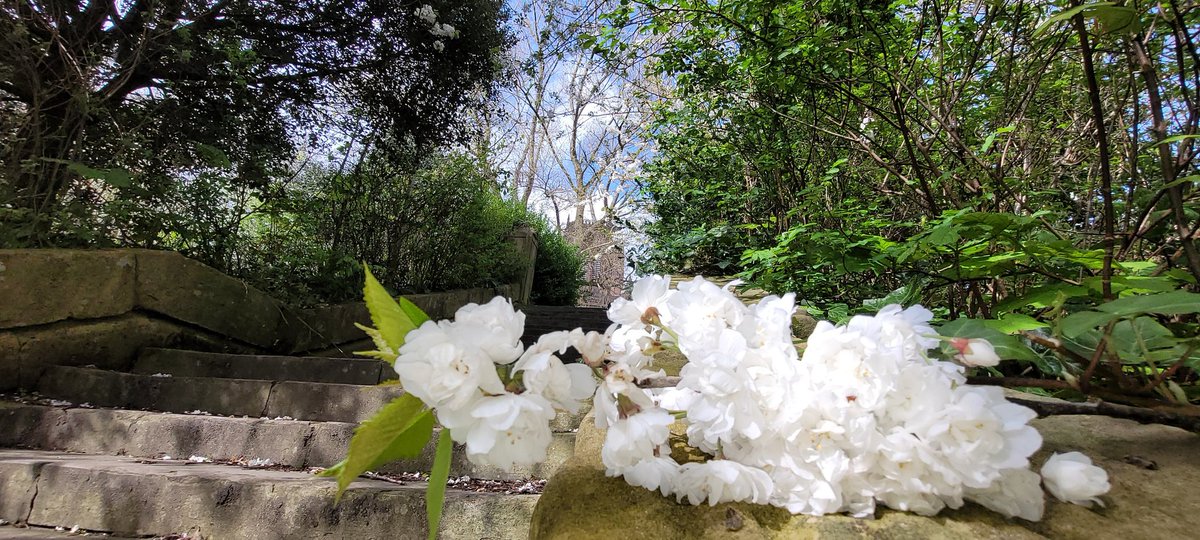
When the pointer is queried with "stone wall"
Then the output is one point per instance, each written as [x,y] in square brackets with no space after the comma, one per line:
[99,307]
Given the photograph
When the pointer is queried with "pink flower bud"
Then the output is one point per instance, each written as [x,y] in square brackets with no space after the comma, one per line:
[975,352]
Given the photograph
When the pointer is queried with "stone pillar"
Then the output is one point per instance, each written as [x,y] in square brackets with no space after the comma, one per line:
[525,240]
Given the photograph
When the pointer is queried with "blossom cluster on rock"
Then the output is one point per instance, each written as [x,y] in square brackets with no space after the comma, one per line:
[866,417]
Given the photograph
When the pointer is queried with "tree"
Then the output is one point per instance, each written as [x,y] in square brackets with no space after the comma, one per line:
[837,148]
[138,83]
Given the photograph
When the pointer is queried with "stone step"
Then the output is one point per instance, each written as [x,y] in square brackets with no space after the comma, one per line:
[566,318]
[226,397]
[290,443]
[123,496]
[183,363]
[9,532]
[566,324]
[229,397]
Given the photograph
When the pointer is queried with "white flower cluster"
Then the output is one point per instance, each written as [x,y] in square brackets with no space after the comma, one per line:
[492,394]
[429,16]
[866,418]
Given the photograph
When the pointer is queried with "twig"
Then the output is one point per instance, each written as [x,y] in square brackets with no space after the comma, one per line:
[1012,382]
[1162,375]
[1054,345]
[1085,381]
[1190,422]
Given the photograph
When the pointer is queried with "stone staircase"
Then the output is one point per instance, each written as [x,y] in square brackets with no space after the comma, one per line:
[223,446]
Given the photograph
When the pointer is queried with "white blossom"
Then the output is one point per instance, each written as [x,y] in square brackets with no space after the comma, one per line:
[566,386]
[1072,478]
[497,328]
[444,30]
[867,417]
[502,431]
[1017,493]
[445,365]
[426,13]
[636,437]
[656,473]
[722,480]
[648,292]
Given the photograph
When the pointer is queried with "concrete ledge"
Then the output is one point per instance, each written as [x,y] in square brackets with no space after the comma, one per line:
[8,532]
[125,497]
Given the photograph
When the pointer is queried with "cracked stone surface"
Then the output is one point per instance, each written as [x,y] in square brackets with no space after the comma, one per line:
[123,496]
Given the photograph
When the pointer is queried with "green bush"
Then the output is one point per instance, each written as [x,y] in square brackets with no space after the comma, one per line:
[558,272]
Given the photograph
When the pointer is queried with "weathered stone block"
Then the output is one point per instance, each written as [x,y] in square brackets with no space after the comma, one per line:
[110,343]
[329,402]
[183,289]
[91,431]
[327,326]
[234,397]
[525,242]
[215,437]
[183,363]
[119,495]
[93,386]
[41,286]
[27,425]
[18,485]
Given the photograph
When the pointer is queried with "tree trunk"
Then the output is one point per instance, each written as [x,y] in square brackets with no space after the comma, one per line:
[35,164]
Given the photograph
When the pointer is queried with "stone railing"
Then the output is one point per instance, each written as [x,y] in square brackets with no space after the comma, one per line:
[99,307]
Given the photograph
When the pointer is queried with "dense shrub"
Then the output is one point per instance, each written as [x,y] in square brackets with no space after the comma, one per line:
[440,224]
[558,272]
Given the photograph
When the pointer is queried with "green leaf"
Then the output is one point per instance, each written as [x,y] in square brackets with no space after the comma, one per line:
[904,296]
[393,320]
[119,178]
[435,493]
[1015,322]
[1067,14]
[1168,303]
[987,143]
[213,156]
[415,314]
[1059,17]
[398,431]
[1175,139]
[1116,19]
[1183,181]
[1144,339]
[1077,324]
[1042,297]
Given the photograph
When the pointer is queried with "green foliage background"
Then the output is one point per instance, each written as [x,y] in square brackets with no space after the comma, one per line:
[1020,163]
